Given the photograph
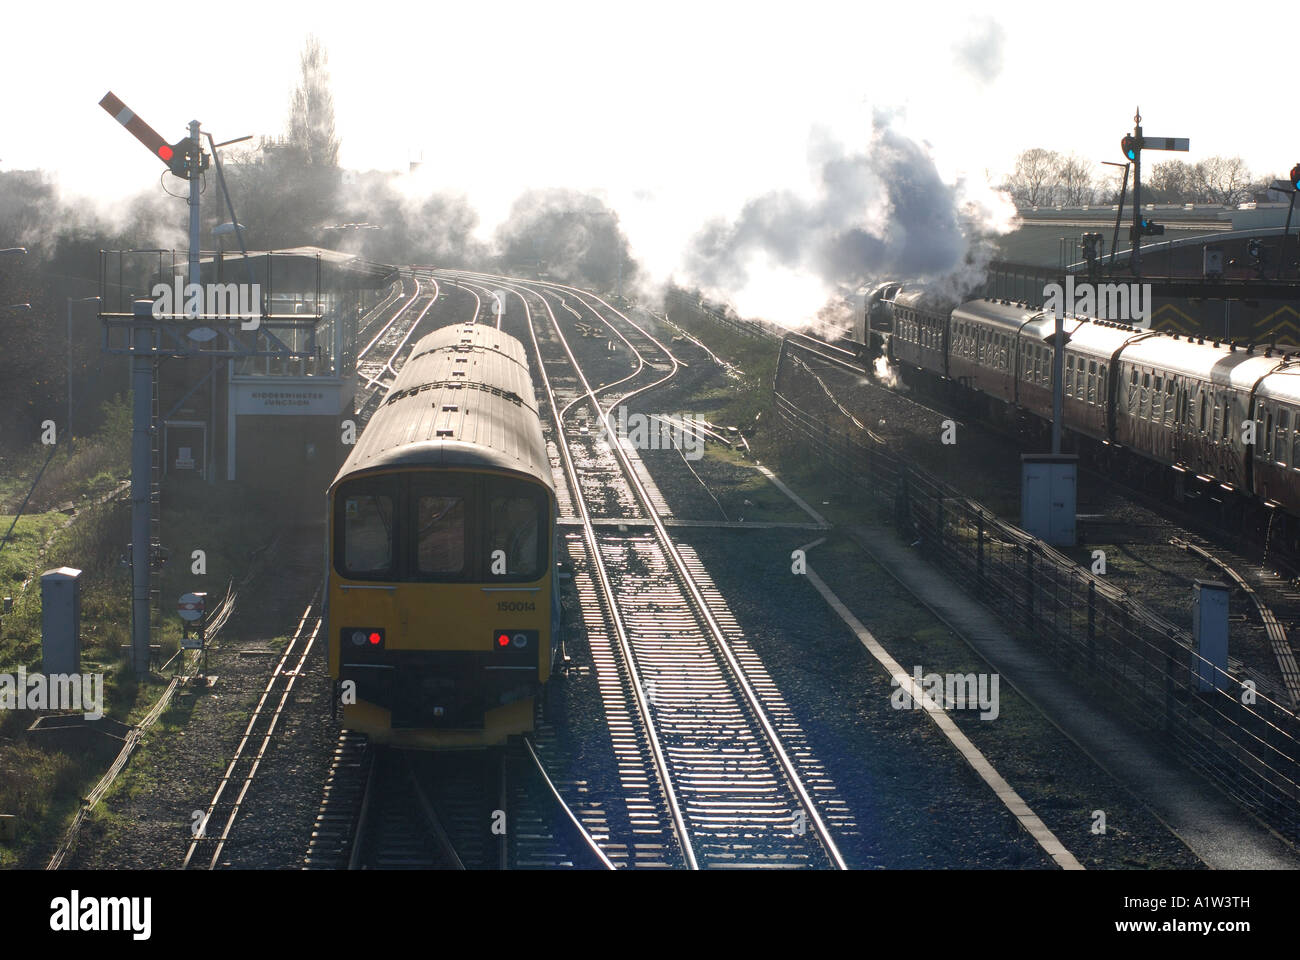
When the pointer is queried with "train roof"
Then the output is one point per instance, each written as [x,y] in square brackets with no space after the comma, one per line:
[1215,364]
[1282,384]
[920,298]
[1004,313]
[464,398]
[1100,340]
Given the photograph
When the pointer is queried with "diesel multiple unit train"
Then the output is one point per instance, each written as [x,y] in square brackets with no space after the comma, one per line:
[442,611]
[1186,412]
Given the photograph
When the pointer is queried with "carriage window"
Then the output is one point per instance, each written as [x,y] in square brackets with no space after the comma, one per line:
[1169,402]
[440,535]
[1069,376]
[1283,427]
[1101,384]
[367,534]
[1202,413]
[1092,381]
[516,526]
[1133,390]
[1268,435]
[1145,410]
[1295,450]
[1157,400]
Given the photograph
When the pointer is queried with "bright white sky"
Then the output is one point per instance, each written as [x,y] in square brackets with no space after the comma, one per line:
[675,110]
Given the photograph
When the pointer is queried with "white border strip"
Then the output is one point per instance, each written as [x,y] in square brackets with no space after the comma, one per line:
[798,500]
[1010,799]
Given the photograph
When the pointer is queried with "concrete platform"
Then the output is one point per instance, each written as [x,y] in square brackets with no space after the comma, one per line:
[1214,828]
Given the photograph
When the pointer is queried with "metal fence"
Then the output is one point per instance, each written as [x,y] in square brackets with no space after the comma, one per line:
[1006,280]
[680,301]
[1148,667]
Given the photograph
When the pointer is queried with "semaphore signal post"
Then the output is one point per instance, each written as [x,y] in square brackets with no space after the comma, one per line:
[184,330]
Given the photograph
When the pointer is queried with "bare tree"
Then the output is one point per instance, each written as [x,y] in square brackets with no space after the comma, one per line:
[1033,182]
[1172,181]
[311,111]
[1074,181]
[1106,187]
[1223,180]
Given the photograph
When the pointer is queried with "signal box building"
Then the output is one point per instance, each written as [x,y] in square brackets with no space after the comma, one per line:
[273,424]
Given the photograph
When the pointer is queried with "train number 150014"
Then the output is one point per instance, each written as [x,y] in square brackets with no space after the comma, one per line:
[516,606]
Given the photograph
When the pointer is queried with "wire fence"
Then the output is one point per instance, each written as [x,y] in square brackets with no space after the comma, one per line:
[680,301]
[1146,666]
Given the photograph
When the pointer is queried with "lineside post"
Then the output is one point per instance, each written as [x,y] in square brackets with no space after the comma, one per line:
[141,464]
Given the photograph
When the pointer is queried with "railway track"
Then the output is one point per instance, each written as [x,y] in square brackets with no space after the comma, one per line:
[728,791]
[482,810]
[378,360]
[213,831]
[375,318]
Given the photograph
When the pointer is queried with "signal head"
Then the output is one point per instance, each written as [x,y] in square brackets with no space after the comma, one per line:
[1295,177]
[1130,146]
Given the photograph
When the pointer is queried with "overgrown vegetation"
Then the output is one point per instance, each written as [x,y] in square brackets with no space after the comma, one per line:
[75,468]
[42,784]
[745,400]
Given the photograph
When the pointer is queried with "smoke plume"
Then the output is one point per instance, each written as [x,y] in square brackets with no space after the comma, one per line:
[881,213]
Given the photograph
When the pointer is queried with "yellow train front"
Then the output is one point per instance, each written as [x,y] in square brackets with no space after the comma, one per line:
[442,609]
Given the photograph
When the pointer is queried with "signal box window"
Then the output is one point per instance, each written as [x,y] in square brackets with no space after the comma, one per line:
[440,535]
[367,534]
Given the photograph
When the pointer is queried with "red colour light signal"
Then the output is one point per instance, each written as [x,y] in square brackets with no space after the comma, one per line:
[503,640]
[375,638]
